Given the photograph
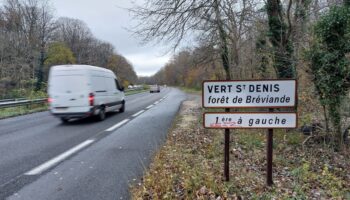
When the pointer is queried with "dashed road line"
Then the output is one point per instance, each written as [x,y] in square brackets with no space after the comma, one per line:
[138,113]
[45,166]
[54,161]
[118,125]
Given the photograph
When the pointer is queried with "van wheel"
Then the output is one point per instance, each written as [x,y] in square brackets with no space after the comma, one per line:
[122,109]
[64,120]
[101,115]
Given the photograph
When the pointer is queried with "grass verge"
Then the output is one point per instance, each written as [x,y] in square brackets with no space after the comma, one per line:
[21,110]
[190,165]
[197,91]
[135,92]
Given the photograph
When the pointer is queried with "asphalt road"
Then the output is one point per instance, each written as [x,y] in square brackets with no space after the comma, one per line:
[41,158]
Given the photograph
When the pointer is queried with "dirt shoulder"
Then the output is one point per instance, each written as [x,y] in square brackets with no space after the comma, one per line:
[190,165]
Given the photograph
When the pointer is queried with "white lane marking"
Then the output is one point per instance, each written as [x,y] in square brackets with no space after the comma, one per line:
[45,166]
[150,106]
[117,125]
[155,103]
[138,113]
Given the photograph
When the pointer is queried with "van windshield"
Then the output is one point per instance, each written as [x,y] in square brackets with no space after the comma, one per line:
[68,84]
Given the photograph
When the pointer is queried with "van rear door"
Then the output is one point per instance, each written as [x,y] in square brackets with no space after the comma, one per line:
[69,91]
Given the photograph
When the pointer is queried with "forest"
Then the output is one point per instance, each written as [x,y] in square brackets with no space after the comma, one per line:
[305,40]
[32,40]
[251,39]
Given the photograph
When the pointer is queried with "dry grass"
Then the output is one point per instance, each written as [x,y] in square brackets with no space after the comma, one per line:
[190,165]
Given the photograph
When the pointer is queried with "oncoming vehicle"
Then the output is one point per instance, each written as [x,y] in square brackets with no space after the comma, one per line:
[78,91]
[154,88]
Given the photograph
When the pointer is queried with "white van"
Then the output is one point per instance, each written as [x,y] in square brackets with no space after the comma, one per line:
[78,91]
[154,88]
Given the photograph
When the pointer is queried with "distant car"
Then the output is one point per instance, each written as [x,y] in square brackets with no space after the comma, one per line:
[154,88]
[130,87]
[78,91]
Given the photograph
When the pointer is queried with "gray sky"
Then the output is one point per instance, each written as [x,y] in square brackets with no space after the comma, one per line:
[108,22]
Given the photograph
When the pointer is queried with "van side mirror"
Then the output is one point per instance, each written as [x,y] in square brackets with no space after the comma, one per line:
[122,88]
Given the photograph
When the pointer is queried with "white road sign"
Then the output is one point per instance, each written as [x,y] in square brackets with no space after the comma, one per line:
[250,120]
[249,94]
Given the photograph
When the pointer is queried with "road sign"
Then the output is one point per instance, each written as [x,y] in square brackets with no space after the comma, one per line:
[250,120]
[249,94]
[269,94]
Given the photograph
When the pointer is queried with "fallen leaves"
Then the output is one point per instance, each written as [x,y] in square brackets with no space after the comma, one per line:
[190,165]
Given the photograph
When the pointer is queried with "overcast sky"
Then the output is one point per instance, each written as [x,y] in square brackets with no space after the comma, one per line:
[108,21]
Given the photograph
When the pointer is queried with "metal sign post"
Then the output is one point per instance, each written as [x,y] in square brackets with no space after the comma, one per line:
[227,152]
[269,156]
[227,155]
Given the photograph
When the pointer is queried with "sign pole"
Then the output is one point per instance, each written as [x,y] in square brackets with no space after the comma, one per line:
[269,151]
[227,152]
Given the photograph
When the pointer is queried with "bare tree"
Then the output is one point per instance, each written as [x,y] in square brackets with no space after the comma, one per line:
[26,27]
[123,68]
[99,53]
[219,23]
[76,35]
[46,28]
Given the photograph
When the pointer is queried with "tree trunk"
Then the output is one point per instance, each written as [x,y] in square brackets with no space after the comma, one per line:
[40,68]
[326,118]
[279,37]
[347,2]
[223,42]
[225,62]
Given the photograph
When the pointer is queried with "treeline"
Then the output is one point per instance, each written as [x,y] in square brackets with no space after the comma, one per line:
[32,40]
[251,51]
[188,68]
[253,39]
